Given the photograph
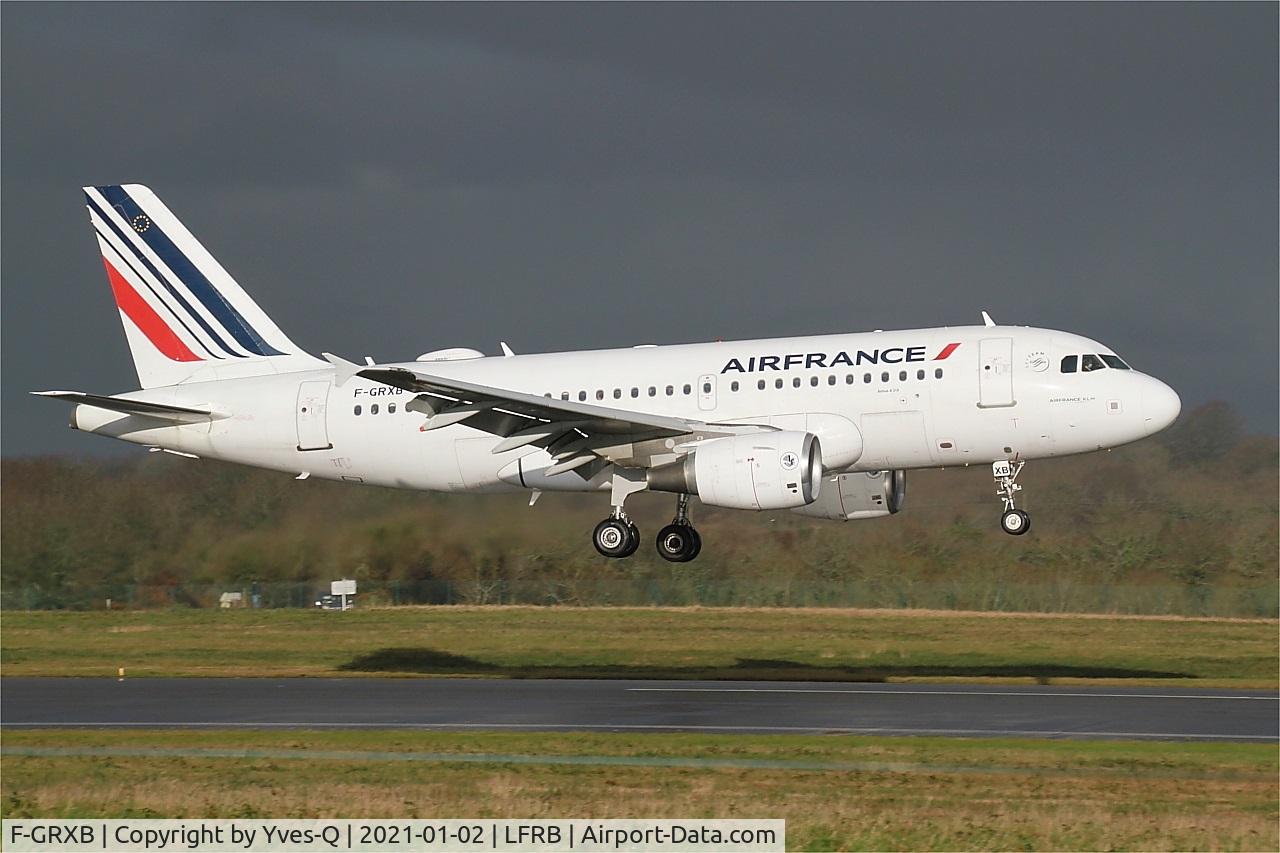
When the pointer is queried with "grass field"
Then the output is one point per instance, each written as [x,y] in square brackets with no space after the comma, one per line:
[847,793]
[528,642]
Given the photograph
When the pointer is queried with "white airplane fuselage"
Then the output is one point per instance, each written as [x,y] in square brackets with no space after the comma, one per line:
[999,393]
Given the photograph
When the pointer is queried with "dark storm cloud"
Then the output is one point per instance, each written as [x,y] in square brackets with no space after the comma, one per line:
[393,178]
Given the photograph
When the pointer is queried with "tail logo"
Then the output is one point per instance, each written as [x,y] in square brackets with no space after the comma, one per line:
[140,223]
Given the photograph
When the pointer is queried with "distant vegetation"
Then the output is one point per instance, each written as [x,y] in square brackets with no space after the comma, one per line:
[1185,523]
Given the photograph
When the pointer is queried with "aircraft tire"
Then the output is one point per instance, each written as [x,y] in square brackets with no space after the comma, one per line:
[1015,522]
[697,546]
[678,543]
[615,538]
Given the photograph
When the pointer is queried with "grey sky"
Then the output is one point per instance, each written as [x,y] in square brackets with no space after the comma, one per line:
[388,179]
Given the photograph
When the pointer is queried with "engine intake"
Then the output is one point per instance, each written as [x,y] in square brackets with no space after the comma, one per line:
[771,470]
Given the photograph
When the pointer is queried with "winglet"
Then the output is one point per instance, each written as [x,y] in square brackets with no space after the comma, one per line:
[506,350]
[342,369]
[986,320]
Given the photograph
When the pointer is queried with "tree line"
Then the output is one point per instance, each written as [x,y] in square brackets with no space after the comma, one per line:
[1183,523]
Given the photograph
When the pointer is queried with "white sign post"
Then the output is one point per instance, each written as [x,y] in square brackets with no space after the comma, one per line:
[343,588]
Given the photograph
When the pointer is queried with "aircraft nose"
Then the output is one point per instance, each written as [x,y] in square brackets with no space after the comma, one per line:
[1160,405]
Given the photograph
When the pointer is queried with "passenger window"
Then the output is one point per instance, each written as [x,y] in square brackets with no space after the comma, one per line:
[599,393]
[848,379]
[866,379]
[670,390]
[564,395]
[1069,364]
[760,385]
[1114,361]
[582,396]
[357,410]
[795,383]
[706,388]
[373,410]
[919,374]
[902,376]
[635,392]
[831,380]
[777,383]
[884,377]
[813,381]
[391,408]
[688,389]
[617,393]
[1090,362]
[937,374]
[653,392]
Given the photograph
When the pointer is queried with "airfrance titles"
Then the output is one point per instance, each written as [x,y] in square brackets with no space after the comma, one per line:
[811,360]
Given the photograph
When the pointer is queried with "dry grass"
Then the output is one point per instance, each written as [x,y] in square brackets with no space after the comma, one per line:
[1050,795]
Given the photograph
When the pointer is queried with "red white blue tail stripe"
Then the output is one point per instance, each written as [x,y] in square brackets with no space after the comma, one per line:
[178,304]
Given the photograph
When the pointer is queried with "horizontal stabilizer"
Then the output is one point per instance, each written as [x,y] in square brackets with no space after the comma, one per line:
[159,411]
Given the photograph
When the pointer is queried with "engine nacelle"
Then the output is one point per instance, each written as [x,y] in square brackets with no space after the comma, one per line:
[850,496]
[770,470]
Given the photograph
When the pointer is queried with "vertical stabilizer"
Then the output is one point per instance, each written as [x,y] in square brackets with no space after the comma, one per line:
[184,316]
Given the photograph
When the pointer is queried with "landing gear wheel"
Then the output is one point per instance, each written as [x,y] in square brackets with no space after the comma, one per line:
[614,537]
[1015,522]
[678,543]
[697,546]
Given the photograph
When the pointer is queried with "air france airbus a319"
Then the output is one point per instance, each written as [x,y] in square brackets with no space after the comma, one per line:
[823,426]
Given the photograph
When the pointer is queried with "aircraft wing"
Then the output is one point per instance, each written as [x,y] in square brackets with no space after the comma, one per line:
[575,434]
[159,411]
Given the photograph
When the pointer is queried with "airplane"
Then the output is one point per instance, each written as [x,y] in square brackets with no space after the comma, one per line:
[824,426]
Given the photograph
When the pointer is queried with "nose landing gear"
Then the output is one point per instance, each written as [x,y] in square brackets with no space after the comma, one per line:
[1013,521]
[678,542]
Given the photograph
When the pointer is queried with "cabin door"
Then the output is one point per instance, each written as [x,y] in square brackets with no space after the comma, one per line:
[995,373]
[312,413]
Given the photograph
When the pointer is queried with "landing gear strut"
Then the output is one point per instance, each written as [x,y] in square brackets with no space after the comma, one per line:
[1013,521]
[678,542]
[617,536]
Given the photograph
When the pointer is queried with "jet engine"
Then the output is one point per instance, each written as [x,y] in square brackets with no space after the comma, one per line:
[768,470]
[851,496]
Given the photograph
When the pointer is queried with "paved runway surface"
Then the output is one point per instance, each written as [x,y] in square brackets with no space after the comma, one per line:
[598,705]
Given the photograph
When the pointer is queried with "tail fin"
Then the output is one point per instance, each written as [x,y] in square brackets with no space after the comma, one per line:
[183,314]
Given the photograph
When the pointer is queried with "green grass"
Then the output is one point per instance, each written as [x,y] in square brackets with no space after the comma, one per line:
[528,642]
[846,793]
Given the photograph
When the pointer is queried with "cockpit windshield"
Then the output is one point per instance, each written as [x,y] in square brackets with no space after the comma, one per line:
[1090,362]
[1113,361]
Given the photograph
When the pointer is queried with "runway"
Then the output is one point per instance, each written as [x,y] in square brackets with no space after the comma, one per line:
[603,705]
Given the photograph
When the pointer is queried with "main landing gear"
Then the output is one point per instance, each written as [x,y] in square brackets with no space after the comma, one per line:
[617,536]
[1013,521]
[678,542]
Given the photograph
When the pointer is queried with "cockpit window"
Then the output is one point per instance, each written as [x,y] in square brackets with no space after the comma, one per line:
[1090,362]
[1114,361]
[1069,364]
